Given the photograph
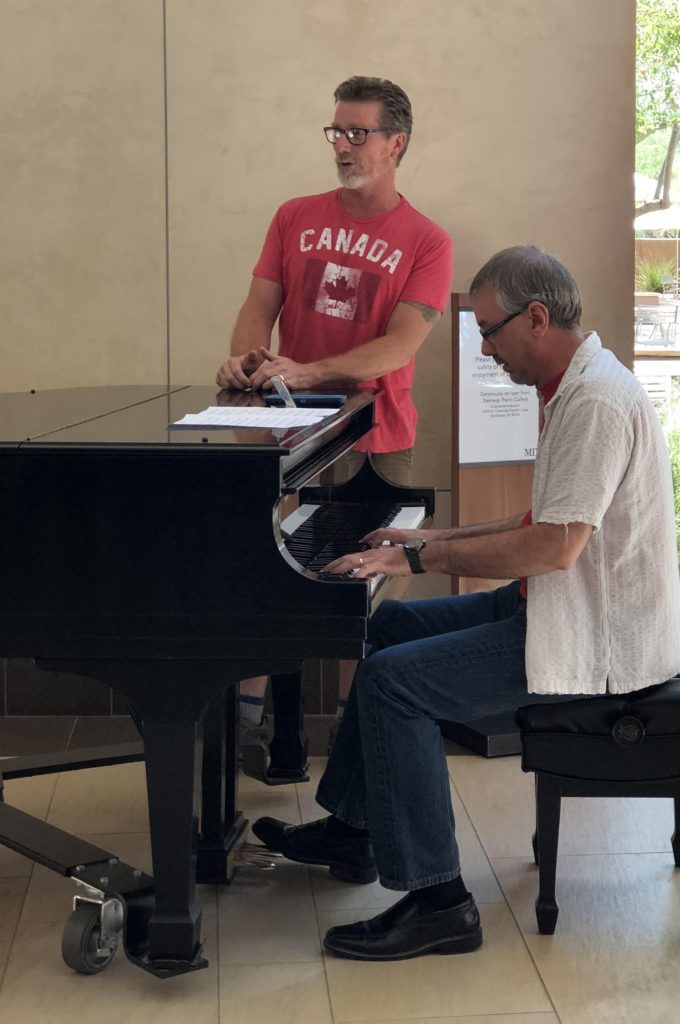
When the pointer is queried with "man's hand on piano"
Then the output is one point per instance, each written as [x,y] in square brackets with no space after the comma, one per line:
[388,535]
[234,373]
[381,561]
[295,375]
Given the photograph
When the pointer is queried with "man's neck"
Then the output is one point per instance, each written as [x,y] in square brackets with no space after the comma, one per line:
[558,356]
[370,201]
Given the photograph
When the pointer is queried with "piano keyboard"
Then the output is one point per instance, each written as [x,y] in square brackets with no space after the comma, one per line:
[317,534]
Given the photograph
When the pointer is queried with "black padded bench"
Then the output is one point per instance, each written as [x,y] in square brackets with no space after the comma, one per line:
[613,745]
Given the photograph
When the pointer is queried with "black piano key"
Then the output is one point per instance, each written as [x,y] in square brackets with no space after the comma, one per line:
[335,529]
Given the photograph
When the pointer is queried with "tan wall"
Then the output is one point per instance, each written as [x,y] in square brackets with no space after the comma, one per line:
[523,133]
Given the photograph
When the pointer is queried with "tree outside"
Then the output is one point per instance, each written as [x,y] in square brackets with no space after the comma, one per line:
[657,113]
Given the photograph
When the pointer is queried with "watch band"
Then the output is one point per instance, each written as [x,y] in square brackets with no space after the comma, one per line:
[412,552]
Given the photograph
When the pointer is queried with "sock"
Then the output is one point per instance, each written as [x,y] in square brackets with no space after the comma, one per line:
[442,896]
[343,831]
[251,709]
[340,710]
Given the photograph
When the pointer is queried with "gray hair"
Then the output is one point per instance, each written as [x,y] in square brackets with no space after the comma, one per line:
[395,116]
[523,274]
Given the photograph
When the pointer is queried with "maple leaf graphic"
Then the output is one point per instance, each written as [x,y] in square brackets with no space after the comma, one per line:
[340,290]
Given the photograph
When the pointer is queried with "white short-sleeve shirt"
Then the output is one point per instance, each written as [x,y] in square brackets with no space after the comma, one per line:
[611,623]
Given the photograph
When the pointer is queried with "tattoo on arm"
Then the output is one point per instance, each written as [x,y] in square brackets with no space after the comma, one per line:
[429,314]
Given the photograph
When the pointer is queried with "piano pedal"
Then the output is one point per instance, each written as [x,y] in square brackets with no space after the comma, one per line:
[256,856]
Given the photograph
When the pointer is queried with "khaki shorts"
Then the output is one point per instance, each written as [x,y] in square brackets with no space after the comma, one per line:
[396,467]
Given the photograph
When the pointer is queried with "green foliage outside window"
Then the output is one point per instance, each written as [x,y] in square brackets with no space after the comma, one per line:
[651,275]
[669,414]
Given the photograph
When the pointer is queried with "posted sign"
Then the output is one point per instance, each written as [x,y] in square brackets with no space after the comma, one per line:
[498,420]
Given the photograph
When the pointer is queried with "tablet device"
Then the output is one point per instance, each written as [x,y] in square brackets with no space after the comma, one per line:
[310,401]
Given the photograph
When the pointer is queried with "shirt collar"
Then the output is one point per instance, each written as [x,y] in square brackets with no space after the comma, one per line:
[588,348]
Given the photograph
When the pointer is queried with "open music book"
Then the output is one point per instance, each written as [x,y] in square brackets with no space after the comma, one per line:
[257,416]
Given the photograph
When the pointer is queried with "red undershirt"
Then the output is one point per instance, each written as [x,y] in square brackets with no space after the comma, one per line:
[547,392]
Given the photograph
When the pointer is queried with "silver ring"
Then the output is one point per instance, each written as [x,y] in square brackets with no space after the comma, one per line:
[281,378]
[361,561]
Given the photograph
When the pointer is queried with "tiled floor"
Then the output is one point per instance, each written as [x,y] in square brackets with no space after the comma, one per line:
[613,959]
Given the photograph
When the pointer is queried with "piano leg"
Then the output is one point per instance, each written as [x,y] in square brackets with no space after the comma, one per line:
[174,929]
[288,748]
[222,824]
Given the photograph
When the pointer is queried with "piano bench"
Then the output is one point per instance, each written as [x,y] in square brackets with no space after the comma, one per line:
[614,745]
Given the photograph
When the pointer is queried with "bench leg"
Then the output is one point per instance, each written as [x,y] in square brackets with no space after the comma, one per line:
[675,838]
[548,798]
[534,838]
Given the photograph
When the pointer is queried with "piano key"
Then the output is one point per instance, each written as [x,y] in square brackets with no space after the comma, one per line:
[306,539]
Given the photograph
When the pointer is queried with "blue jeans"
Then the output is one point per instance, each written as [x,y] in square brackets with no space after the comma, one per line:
[451,658]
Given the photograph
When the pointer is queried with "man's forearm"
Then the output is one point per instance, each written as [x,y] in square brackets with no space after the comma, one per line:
[366,362]
[481,529]
[529,551]
[252,330]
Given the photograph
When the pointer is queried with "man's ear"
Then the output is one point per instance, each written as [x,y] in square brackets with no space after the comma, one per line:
[398,144]
[540,317]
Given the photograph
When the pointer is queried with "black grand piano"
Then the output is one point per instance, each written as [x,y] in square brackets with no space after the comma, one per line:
[156,559]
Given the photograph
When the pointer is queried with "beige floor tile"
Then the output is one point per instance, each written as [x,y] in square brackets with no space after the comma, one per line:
[496,1018]
[499,978]
[39,989]
[32,796]
[101,800]
[614,956]
[268,917]
[12,893]
[499,797]
[284,993]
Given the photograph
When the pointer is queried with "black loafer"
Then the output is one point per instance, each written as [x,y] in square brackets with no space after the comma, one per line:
[404,931]
[350,860]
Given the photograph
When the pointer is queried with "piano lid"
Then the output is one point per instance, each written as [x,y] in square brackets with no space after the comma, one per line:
[112,417]
[30,414]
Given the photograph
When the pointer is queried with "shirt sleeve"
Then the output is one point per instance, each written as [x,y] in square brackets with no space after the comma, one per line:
[429,282]
[588,459]
[270,262]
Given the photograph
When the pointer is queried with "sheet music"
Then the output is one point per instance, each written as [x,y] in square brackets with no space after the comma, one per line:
[253,416]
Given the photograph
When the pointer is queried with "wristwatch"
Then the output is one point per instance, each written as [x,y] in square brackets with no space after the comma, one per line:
[412,552]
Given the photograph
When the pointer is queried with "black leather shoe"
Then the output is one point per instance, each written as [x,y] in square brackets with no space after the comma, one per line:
[350,860]
[404,931]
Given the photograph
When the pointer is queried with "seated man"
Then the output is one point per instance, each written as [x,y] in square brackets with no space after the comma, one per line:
[600,612]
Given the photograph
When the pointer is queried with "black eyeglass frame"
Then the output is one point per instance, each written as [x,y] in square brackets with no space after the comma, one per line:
[486,334]
[337,132]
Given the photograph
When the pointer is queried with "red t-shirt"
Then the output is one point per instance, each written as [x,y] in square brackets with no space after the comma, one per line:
[342,277]
[547,392]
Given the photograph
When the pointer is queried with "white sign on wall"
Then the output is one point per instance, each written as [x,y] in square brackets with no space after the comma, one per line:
[498,420]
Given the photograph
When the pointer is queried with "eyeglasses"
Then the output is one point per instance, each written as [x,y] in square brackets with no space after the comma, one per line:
[356,136]
[486,334]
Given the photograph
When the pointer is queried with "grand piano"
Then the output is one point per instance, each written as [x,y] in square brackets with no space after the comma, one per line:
[156,559]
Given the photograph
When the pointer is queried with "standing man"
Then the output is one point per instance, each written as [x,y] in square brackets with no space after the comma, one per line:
[602,614]
[356,278]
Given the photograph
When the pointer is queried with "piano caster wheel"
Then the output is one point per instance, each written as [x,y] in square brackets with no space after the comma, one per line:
[85,945]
